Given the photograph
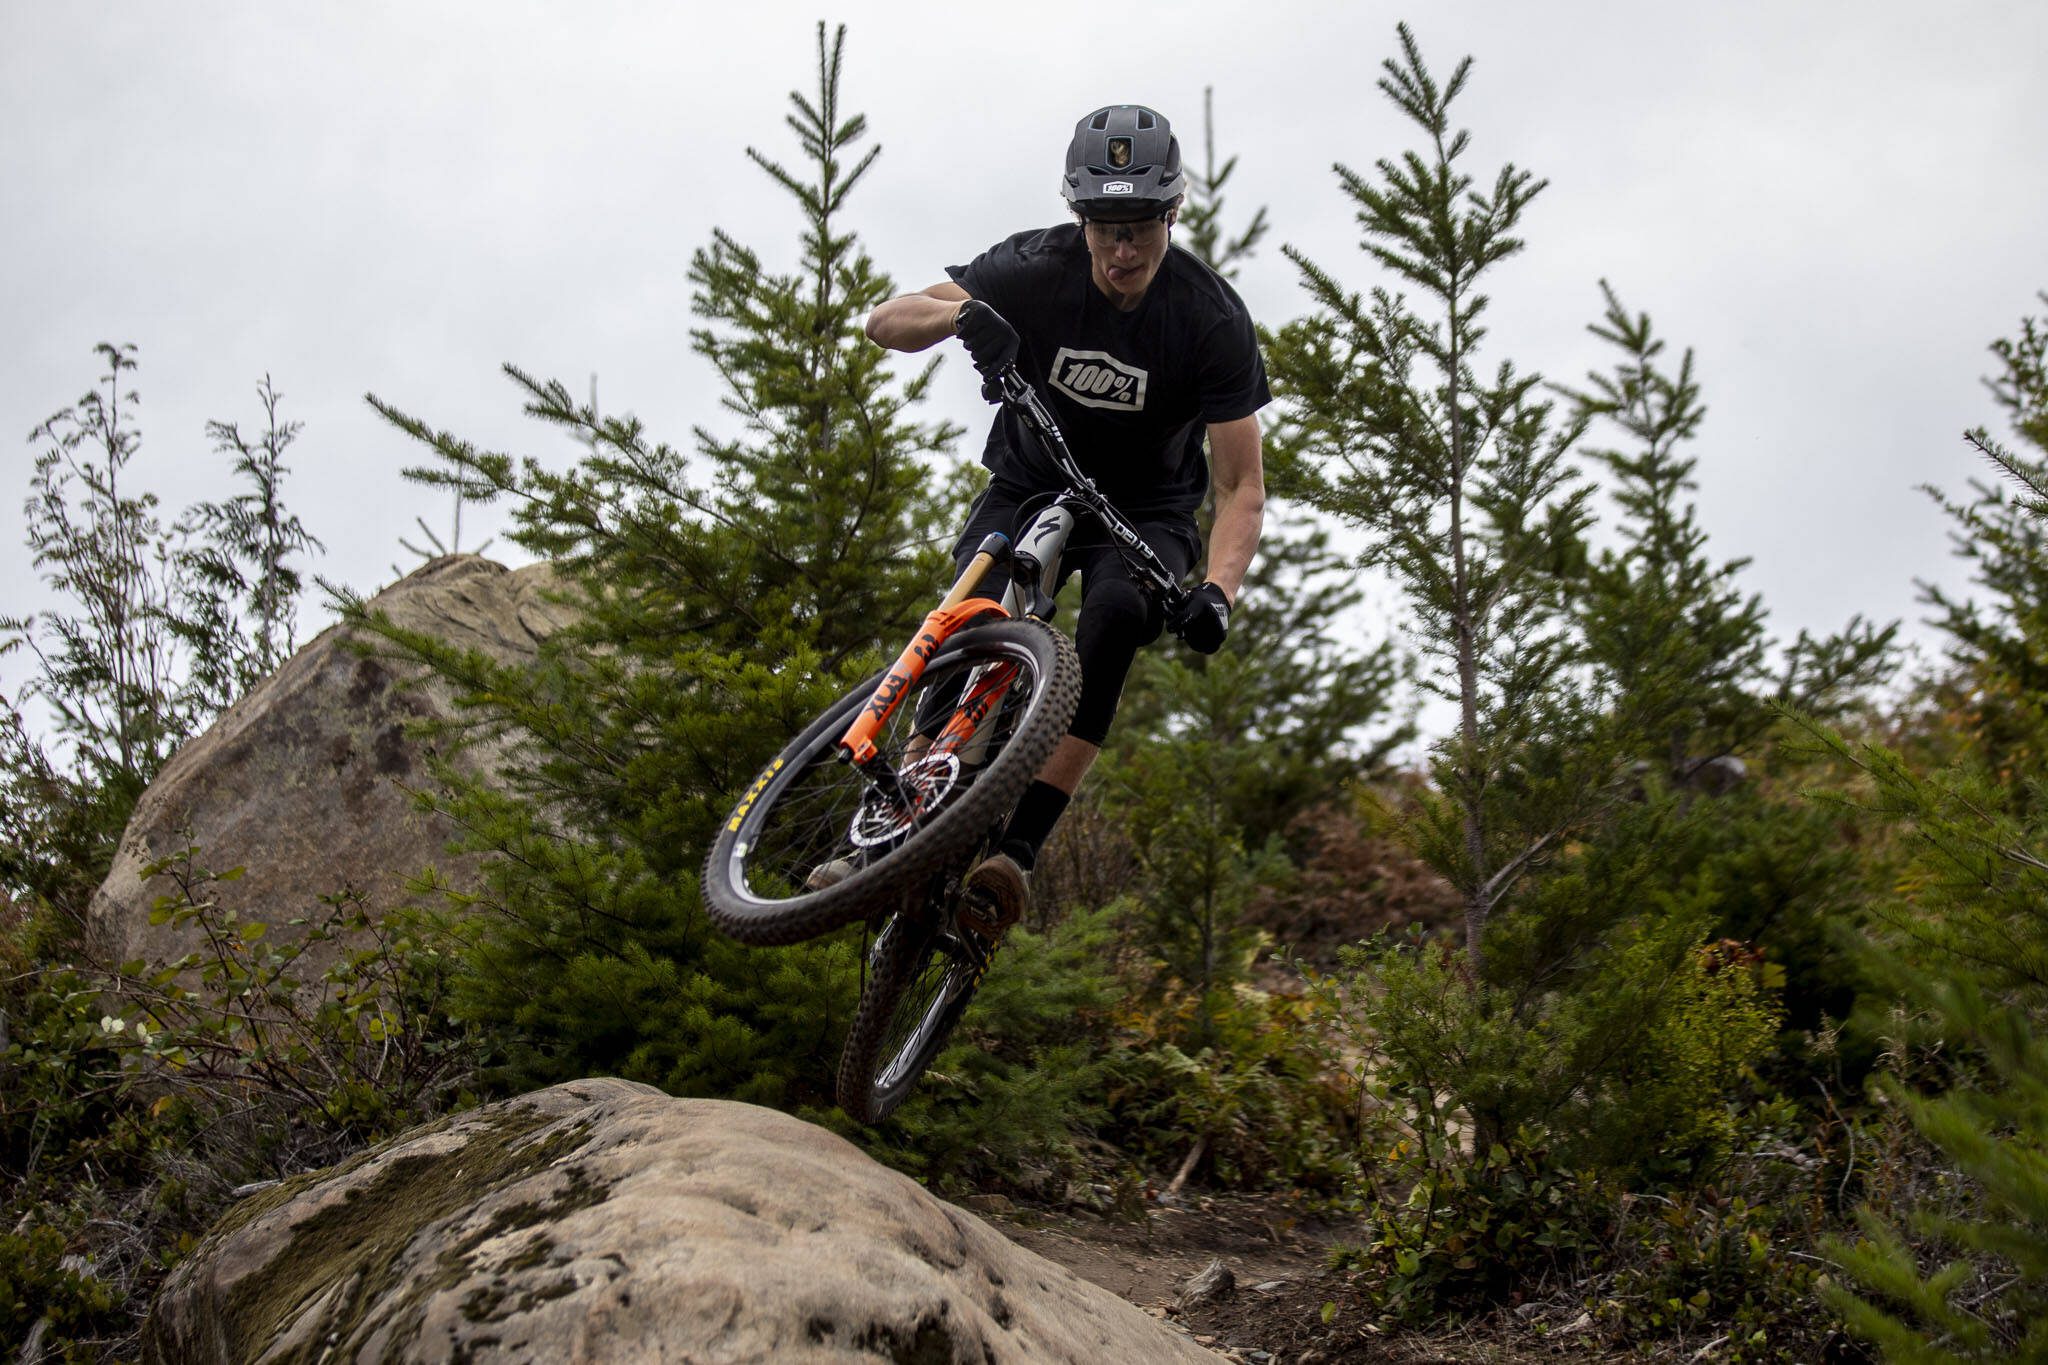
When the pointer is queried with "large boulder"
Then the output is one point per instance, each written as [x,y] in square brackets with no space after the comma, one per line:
[304,781]
[602,1220]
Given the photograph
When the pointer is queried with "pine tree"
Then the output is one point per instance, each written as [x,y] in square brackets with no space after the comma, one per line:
[826,487]
[1684,652]
[1201,218]
[1588,1025]
[1964,946]
[1290,688]
[242,618]
[1463,484]
[1684,656]
[1218,756]
[1994,703]
[723,603]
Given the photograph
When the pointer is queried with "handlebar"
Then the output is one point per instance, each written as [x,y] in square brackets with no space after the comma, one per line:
[1010,388]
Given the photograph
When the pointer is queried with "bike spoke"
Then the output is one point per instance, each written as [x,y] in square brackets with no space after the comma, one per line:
[831,811]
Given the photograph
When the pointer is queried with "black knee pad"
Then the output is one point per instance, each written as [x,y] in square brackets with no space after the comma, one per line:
[1121,610]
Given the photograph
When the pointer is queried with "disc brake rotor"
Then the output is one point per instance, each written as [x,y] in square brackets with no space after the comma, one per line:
[924,784]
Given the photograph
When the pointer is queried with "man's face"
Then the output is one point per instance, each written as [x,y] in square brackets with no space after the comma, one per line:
[1126,257]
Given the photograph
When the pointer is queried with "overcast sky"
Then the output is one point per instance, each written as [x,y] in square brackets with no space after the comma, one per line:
[1837,205]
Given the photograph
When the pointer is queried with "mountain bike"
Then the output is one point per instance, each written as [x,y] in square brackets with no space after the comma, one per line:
[882,806]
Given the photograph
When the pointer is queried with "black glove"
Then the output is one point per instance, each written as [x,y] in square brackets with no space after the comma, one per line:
[991,341]
[1204,619]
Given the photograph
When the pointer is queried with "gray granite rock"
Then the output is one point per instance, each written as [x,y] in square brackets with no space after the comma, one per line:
[303,781]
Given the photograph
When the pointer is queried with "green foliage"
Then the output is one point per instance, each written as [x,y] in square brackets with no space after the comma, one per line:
[1993,702]
[1630,1058]
[1962,959]
[109,666]
[1457,1234]
[157,628]
[1201,217]
[1255,1103]
[1219,756]
[1989,1299]
[1681,650]
[1183,795]
[713,619]
[132,1103]
[1462,484]
[824,494]
[1959,1273]
[37,1285]
[1468,1231]
[1027,1068]
[1683,658]
[240,619]
[1291,713]
[358,1052]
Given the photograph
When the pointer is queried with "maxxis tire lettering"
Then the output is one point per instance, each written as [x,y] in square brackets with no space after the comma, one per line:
[887,883]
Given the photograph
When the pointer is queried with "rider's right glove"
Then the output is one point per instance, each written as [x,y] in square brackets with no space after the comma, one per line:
[990,340]
[1204,619]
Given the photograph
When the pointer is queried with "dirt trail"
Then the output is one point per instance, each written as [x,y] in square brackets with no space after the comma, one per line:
[1283,1282]
[1277,1257]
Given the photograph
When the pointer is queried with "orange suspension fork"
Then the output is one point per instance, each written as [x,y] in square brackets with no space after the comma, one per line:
[959,609]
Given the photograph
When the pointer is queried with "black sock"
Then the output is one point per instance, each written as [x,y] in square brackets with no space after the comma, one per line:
[1037,813]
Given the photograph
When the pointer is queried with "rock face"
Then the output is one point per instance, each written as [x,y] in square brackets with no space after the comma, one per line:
[602,1220]
[300,781]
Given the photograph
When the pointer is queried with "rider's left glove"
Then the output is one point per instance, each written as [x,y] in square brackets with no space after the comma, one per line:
[1204,619]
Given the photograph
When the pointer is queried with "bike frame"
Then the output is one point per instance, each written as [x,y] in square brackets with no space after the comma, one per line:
[1033,562]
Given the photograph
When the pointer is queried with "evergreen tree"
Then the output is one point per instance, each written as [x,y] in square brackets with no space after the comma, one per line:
[1218,756]
[1464,486]
[826,488]
[1684,651]
[245,586]
[1992,704]
[1590,1025]
[1201,218]
[1290,689]
[1684,654]
[717,616]
[1961,1274]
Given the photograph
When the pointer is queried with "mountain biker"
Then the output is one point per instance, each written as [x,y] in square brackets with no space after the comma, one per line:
[1142,351]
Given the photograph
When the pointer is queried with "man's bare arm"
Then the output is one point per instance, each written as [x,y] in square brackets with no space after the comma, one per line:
[916,322]
[1238,472]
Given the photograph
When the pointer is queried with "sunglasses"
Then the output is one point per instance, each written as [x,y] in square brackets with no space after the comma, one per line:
[1143,232]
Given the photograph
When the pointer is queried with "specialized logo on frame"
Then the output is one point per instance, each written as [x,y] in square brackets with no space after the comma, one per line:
[1097,379]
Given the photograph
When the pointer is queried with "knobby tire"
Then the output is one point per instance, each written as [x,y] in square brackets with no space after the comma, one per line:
[919,986]
[788,823]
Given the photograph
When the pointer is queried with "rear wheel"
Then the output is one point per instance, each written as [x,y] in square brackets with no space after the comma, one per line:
[923,974]
[815,843]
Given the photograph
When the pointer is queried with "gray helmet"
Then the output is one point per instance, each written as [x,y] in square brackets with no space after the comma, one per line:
[1123,164]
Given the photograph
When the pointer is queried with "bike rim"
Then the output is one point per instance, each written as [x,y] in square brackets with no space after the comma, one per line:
[820,809]
[926,1012]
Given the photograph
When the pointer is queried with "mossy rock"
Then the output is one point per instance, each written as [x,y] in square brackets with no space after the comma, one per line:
[603,1220]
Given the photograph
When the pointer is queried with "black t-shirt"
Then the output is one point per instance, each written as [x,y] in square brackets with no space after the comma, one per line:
[1133,392]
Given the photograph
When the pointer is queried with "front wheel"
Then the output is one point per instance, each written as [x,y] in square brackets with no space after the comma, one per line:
[923,975]
[814,844]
